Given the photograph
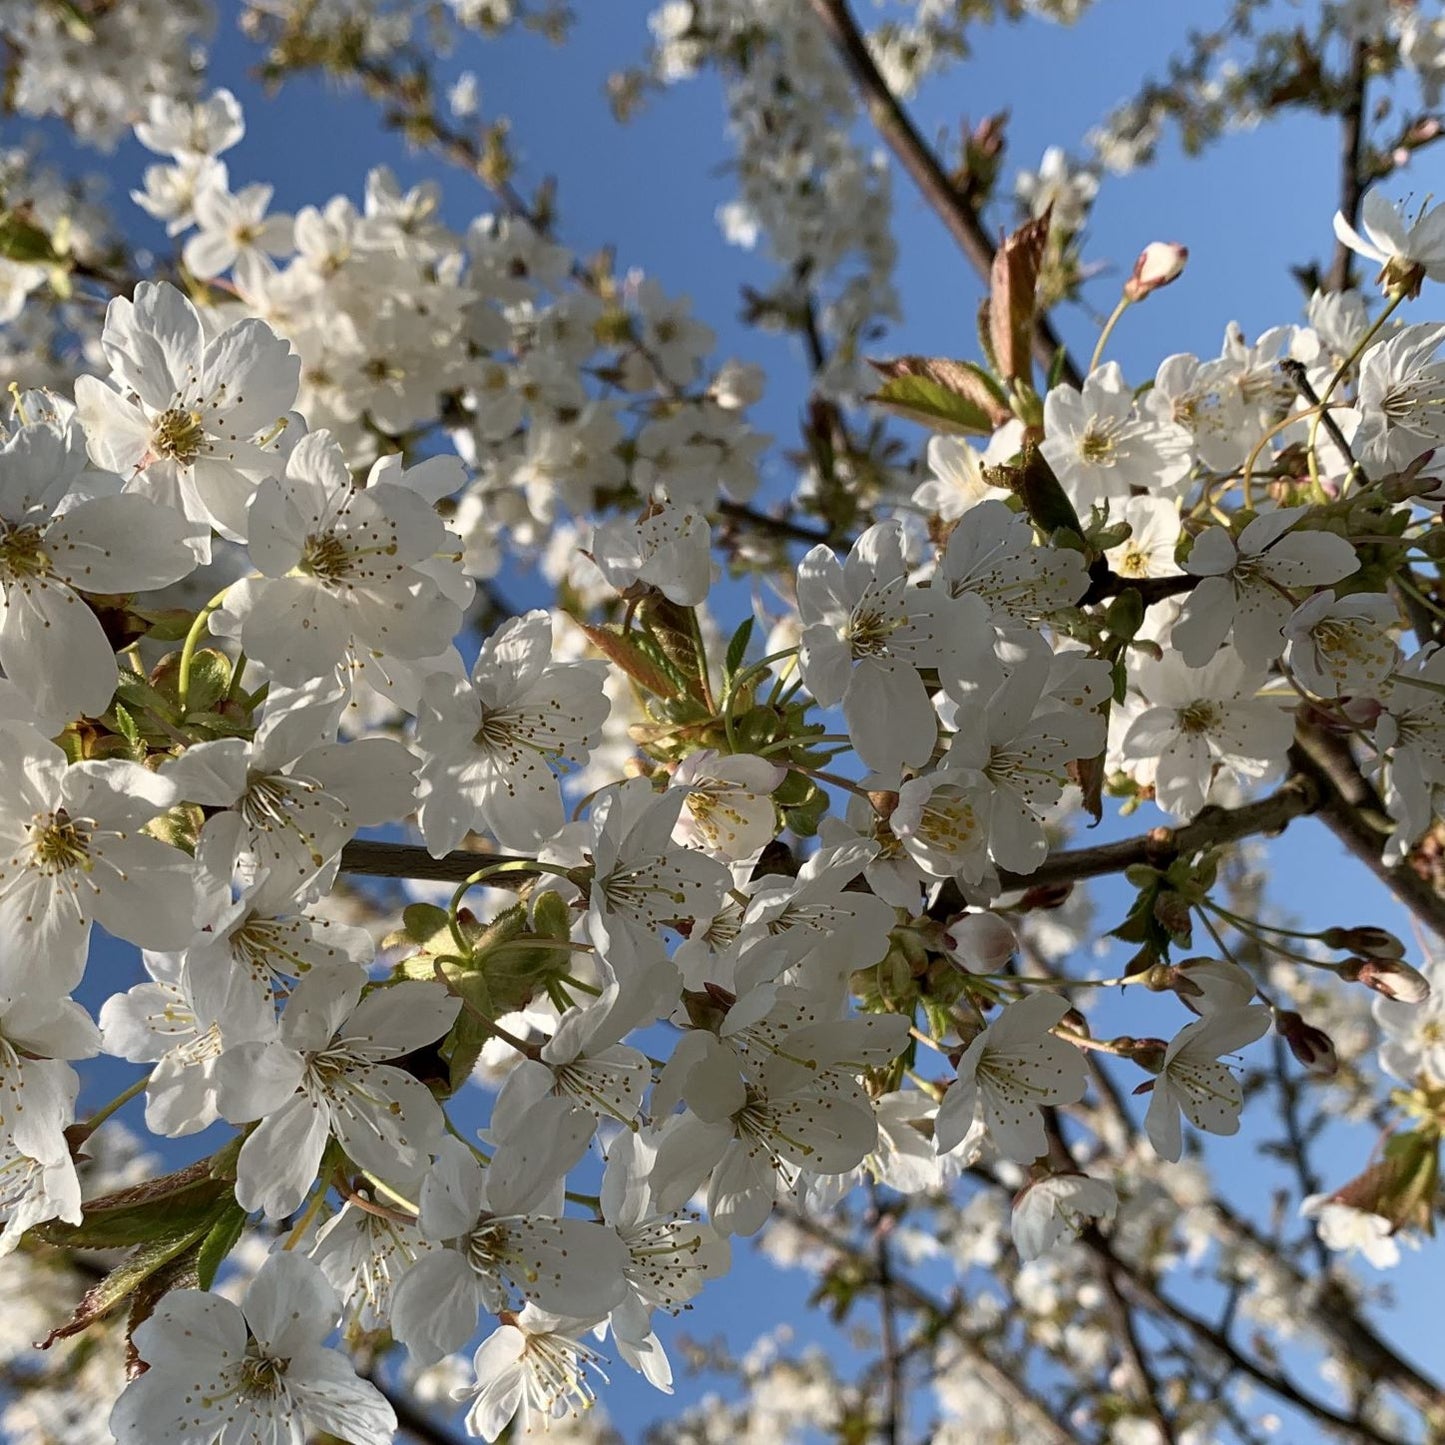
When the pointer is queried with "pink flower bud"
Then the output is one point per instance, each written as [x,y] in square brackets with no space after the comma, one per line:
[1159,263]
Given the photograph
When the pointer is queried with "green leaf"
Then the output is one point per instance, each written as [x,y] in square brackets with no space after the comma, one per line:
[156,1209]
[737,649]
[127,1277]
[917,398]
[125,724]
[219,1241]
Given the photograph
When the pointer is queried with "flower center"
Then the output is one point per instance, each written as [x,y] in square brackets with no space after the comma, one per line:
[22,556]
[262,1375]
[1134,563]
[326,557]
[1198,717]
[1097,445]
[59,843]
[179,435]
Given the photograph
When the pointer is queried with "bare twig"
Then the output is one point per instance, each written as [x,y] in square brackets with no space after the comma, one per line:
[916,157]
[1352,179]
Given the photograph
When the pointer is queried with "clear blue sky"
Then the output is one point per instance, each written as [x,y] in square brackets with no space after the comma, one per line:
[1256,203]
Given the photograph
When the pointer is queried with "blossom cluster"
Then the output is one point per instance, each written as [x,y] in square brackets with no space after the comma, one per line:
[763,951]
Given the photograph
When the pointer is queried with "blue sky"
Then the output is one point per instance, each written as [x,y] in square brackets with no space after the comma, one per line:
[1256,203]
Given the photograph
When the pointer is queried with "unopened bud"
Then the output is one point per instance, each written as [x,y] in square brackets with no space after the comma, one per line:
[1366,939]
[980,942]
[1389,976]
[1313,1047]
[1159,263]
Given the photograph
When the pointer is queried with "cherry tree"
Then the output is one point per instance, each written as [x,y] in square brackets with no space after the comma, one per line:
[539,854]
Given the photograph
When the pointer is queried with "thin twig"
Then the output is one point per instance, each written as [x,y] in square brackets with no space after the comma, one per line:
[916,157]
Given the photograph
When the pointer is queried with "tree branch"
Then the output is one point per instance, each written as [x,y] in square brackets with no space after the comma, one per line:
[1133,1349]
[1158,847]
[1352,178]
[1043,1428]
[917,158]
[1205,1333]
[1351,808]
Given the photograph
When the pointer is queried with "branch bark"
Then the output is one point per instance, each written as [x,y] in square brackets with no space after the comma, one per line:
[1158,847]
[1352,178]
[916,157]
[1351,808]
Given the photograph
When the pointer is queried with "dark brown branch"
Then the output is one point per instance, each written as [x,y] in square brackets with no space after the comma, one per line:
[410,860]
[1352,178]
[1351,808]
[895,1398]
[916,157]
[1149,1296]
[1336,1319]
[1158,847]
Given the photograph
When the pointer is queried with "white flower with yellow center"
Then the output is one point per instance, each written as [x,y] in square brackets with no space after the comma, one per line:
[1008,1075]
[1194,1082]
[250,1372]
[191,422]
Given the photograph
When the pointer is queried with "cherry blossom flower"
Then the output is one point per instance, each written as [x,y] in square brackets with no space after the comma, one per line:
[1193,1082]
[501,1235]
[258,1370]
[1408,252]
[1341,646]
[72,852]
[1148,551]
[1202,720]
[292,797]
[1243,584]
[1008,1074]
[327,1076]
[1350,1231]
[233,227]
[865,635]
[1051,1210]
[534,1369]
[488,745]
[641,879]
[729,810]
[342,569]
[185,417]
[160,1023]
[1099,447]
[671,550]
[56,540]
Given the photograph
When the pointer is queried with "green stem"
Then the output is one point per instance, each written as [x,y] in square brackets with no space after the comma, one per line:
[188,649]
[98,1118]
[524,865]
[1124,304]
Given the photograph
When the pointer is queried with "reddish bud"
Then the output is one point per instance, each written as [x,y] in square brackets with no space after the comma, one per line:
[1311,1046]
[1389,976]
[1366,939]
